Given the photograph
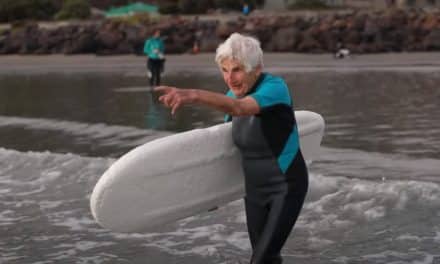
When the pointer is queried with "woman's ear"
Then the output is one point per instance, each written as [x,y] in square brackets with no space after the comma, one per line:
[258,70]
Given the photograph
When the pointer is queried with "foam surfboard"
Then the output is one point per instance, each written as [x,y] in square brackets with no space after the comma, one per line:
[181,175]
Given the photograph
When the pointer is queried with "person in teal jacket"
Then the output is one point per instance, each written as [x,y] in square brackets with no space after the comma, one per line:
[154,48]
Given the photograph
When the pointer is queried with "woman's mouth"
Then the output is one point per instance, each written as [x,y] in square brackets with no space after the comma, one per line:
[236,86]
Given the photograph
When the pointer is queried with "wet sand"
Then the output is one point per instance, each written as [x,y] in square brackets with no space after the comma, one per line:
[277,62]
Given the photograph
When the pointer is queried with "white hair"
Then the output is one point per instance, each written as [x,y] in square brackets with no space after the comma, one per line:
[244,49]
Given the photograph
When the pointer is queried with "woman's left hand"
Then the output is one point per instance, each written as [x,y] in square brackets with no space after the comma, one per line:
[173,97]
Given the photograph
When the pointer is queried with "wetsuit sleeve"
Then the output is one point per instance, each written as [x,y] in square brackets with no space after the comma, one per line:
[272,93]
[228,118]
[161,46]
[147,47]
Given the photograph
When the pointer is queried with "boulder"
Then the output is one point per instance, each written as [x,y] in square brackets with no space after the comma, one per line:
[227,28]
[108,39]
[432,40]
[363,32]
[13,42]
[209,43]
[84,43]
[285,39]
[308,43]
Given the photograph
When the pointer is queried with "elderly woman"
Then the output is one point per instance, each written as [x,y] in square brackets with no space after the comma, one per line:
[265,131]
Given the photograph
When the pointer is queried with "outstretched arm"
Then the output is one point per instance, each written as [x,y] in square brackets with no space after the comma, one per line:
[147,47]
[173,98]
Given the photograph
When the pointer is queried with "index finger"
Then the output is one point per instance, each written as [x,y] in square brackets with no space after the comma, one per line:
[162,89]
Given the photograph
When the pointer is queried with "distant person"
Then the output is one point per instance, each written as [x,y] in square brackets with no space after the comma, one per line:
[246,9]
[154,48]
[265,131]
[197,36]
[196,46]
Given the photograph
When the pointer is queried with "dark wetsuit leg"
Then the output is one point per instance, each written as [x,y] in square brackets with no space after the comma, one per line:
[268,237]
[270,225]
[155,67]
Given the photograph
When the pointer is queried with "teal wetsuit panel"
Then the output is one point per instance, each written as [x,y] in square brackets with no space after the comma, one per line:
[276,120]
[151,45]
[229,94]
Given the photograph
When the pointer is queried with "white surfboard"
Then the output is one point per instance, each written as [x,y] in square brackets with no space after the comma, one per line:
[181,175]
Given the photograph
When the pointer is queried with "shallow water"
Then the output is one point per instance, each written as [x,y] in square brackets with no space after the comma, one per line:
[374,192]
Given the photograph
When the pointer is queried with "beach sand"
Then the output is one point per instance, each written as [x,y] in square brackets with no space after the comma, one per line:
[205,62]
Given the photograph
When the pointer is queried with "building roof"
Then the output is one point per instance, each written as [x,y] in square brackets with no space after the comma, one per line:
[131,9]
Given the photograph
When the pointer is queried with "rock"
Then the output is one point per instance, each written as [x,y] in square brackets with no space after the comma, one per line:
[265,35]
[85,43]
[325,24]
[54,41]
[12,42]
[397,40]
[353,38]
[226,28]
[209,43]
[430,22]
[339,24]
[329,39]
[285,39]
[371,31]
[124,48]
[108,39]
[131,33]
[357,22]
[301,23]
[397,18]
[390,30]
[308,43]
[432,40]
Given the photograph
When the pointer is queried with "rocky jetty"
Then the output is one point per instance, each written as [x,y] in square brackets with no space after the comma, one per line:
[361,32]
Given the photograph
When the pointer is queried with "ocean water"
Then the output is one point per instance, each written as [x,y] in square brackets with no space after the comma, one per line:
[374,193]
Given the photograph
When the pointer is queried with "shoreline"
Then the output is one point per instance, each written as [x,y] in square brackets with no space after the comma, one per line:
[204,62]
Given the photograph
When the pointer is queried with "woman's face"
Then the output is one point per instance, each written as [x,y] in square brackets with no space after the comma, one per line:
[237,79]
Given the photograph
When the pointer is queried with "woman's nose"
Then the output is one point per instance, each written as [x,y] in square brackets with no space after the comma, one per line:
[227,76]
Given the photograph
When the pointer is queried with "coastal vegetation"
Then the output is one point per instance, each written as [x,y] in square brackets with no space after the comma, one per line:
[13,10]
[74,9]
[16,10]
[307,4]
[205,6]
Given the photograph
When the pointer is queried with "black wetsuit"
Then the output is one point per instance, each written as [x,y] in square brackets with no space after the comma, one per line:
[276,178]
[155,66]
